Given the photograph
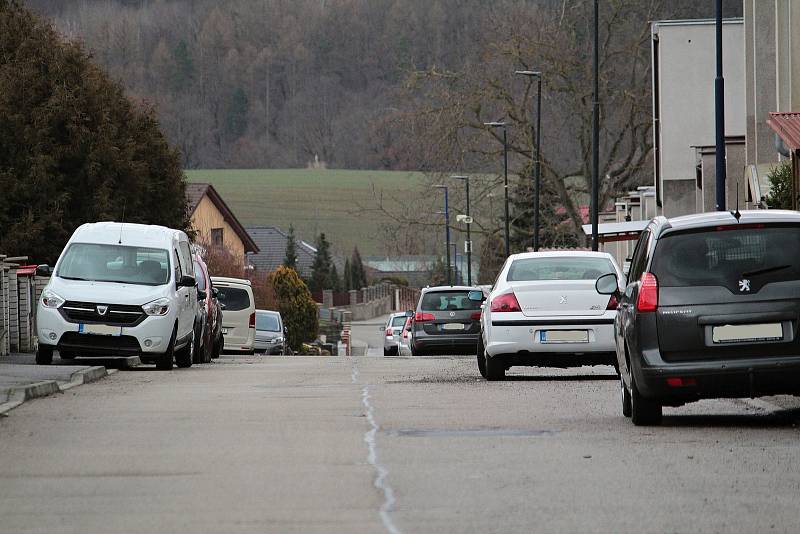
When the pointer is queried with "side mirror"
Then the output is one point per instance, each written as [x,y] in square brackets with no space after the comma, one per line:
[607,284]
[44,270]
[222,306]
[214,292]
[201,295]
[187,281]
[476,296]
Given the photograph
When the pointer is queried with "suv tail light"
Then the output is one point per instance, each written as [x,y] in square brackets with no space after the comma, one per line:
[476,316]
[421,317]
[253,320]
[506,303]
[647,301]
[612,303]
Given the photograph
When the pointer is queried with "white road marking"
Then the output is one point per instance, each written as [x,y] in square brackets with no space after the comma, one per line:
[381,472]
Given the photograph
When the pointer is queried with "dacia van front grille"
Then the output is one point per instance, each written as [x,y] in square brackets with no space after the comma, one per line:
[110,314]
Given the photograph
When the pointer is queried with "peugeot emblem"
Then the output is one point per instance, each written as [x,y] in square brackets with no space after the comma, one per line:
[563,299]
[744,285]
[102,310]
[452,314]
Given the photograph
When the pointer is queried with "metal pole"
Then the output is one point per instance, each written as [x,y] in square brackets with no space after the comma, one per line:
[469,240]
[537,194]
[447,233]
[719,100]
[505,186]
[595,133]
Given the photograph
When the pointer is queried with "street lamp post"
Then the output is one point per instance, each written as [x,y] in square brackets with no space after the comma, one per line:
[595,135]
[719,104]
[502,125]
[536,157]
[469,223]
[447,230]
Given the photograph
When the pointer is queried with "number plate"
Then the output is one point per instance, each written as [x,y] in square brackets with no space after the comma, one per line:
[99,329]
[744,333]
[563,336]
[224,331]
[452,326]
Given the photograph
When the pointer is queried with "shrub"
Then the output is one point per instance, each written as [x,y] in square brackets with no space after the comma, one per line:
[780,192]
[294,302]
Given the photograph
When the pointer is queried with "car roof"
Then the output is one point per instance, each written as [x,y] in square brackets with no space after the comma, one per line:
[225,279]
[131,234]
[450,288]
[268,312]
[702,220]
[560,254]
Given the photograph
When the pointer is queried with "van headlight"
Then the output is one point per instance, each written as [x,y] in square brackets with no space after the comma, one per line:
[51,300]
[157,307]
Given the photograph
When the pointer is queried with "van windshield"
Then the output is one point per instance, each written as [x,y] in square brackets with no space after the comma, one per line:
[115,263]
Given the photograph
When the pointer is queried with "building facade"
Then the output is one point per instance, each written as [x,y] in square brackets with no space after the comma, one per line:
[214,222]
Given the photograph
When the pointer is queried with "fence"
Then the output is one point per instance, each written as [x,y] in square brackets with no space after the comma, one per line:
[20,290]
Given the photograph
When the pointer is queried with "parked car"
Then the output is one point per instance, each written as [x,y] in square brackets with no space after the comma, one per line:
[121,289]
[544,311]
[447,319]
[208,327]
[391,333]
[270,333]
[235,296]
[404,347]
[709,310]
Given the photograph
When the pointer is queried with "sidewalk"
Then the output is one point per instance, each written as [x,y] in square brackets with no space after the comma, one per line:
[21,379]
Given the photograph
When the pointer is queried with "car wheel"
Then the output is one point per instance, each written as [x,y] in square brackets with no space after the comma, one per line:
[44,355]
[417,352]
[164,362]
[626,398]
[495,368]
[217,348]
[644,412]
[184,357]
[481,358]
[66,355]
[197,351]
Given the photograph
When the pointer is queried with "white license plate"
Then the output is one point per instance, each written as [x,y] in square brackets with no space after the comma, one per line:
[740,333]
[563,336]
[452,326]
[224,331]
[99,329]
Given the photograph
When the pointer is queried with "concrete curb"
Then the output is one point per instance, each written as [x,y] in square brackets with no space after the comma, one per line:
[84,377]
[19,395]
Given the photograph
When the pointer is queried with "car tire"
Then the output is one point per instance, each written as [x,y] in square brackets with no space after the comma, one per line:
[44,355]
[197,351]
[184,357]
[66,355]
[644,412]
[626,398]
[164,362]
[417,352]
[481,358]
[495,368]
[216,349]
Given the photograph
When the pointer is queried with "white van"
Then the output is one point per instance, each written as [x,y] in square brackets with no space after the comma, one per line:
[235,295]
[120,289]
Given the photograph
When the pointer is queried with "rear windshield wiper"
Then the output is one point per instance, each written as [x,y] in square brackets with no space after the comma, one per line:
[766,270]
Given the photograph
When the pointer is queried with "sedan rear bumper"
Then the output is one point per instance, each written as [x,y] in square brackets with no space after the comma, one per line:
[524,337]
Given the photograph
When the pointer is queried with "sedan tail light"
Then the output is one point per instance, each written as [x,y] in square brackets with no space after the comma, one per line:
[506,303]
[389,332]
[647,301]
[422,317]
[612,303]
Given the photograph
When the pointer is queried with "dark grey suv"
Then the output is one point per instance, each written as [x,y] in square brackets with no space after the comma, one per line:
[447,319]
[710,310]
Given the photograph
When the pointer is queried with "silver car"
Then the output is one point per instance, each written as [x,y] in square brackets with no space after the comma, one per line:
[393,329]
[270,333]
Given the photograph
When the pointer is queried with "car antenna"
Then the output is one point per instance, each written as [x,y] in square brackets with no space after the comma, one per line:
[122,223]
[736,213]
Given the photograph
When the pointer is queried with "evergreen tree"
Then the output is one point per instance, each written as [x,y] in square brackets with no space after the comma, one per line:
[334,282]
[73,147]
[358,273]
[290,258]
[322,266]
[347,276]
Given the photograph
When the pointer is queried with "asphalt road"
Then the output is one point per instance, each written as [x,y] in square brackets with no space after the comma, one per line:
[373,444]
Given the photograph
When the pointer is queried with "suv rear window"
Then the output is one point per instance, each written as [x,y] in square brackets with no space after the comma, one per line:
[448,300]
[233,298]
[559,268]
[726,255]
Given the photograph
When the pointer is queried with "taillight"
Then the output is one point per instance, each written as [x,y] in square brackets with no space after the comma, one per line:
[505,303]
[389,332]
[612,303]
[421,317]
[253,320]
[648,293]
[405,334]
[476,316]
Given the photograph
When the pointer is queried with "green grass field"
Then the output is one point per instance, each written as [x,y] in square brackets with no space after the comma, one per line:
[312,200]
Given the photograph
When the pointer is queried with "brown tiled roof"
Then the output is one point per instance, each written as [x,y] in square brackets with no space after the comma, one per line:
[787,126]
[195,193]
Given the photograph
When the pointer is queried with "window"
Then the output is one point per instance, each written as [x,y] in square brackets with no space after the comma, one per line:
[559,268]
[398,321]
[200,277]
[115,263]
[448,300]
[186,258]
[268,322]
[639,260]
[216,237]
[233,298]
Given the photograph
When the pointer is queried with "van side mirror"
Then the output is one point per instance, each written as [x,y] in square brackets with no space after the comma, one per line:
[607,284]
[201,295]
[44,270]
[409,313]
[187,281]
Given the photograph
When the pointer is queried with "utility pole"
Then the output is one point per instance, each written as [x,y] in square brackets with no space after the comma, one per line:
[468,223]
[719,101]
[536,154]
[447,232]
[505,178]
[595,133]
